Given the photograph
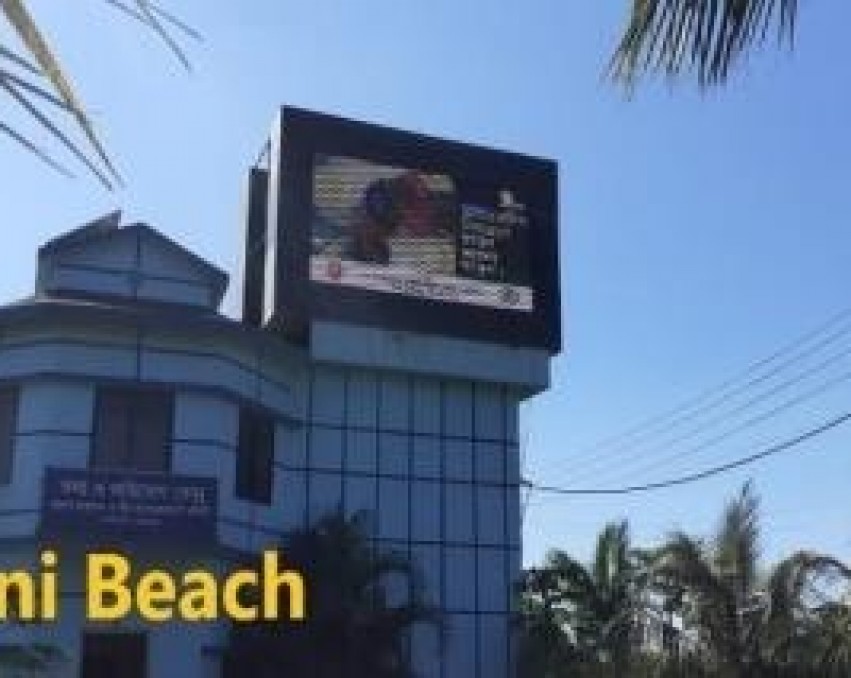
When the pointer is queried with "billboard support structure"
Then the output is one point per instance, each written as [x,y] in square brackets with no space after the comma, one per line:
[378,227]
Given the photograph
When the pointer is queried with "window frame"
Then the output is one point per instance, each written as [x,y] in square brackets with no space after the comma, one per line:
[247,485]
[133,391]
[7,446]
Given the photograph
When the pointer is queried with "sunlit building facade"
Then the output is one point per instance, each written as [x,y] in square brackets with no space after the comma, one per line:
[122,367]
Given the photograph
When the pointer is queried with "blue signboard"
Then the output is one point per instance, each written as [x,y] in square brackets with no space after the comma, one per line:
[104,505]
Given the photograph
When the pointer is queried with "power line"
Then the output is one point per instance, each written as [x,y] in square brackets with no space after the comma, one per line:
[734,413]
[702,475]
[717,395]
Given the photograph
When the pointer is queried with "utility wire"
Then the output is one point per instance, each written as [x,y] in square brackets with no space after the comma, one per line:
[708,424]
[753,421]
[702,475]
[716,395]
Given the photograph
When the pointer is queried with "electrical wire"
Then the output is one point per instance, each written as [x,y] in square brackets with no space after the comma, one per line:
[641,453]
[702,475]
[624,443]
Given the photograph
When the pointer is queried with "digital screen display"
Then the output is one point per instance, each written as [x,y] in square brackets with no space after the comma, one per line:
[403,231]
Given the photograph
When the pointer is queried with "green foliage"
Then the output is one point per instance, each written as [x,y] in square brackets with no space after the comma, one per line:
[578,621]
[709,37]
[36,83]
[353,627]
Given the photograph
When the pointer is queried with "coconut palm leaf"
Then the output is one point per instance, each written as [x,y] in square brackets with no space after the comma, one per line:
[707,36]
[20,83]
[32,148]
[145,11]
[54,130]
[19,18]
[353,628]
[63,94]
[18,60]
[159,12]
[737,542]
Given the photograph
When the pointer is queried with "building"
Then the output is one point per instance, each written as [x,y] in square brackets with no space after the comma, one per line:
[122,363]
[135,415]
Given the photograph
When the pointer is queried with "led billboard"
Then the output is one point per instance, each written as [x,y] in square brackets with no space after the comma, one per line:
[398,230]
[380,227]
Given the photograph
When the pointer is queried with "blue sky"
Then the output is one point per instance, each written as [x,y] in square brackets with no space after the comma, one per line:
[700,231]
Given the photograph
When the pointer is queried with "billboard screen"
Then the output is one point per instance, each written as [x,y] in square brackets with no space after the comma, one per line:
[375,226]
[399,230]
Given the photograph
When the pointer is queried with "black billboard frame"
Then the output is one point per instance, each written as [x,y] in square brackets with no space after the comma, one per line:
[292,300]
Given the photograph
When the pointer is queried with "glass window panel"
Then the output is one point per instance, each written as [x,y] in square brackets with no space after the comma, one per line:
[392,509]
[490,515]
[328,396]
[492,580]
[428,559]
[325,495]
[112,429]
[291,445]
[425,511]
[151,431]
[493,645]
[459,578]
[458,513]
[394,412]
[458,460]
[362,399]
[293,499]
[255,456]
[8,425]
[361,451]
[360,495]
[490,420]
[326,448]
[427,406]
[426,651]
[461,647]
[132,429]
[512,465]
[490,463]
[458,409]
[393,454]
[426,457]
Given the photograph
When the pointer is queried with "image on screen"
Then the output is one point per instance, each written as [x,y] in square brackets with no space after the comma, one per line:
[432,236]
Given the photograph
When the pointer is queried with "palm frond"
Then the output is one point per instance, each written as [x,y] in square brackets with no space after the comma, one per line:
[32,148]
[146,9]
[54,130]
[18,60]
[19,18]
[63,95]
[707,36]
[158,11]
[20,83]
[737,548]
[611,557]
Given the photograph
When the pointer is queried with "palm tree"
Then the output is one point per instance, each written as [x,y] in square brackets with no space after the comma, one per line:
[597,604]
[750,626]
[807,626]
[353,628]
[708,36]
[546,649]
[33,80]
